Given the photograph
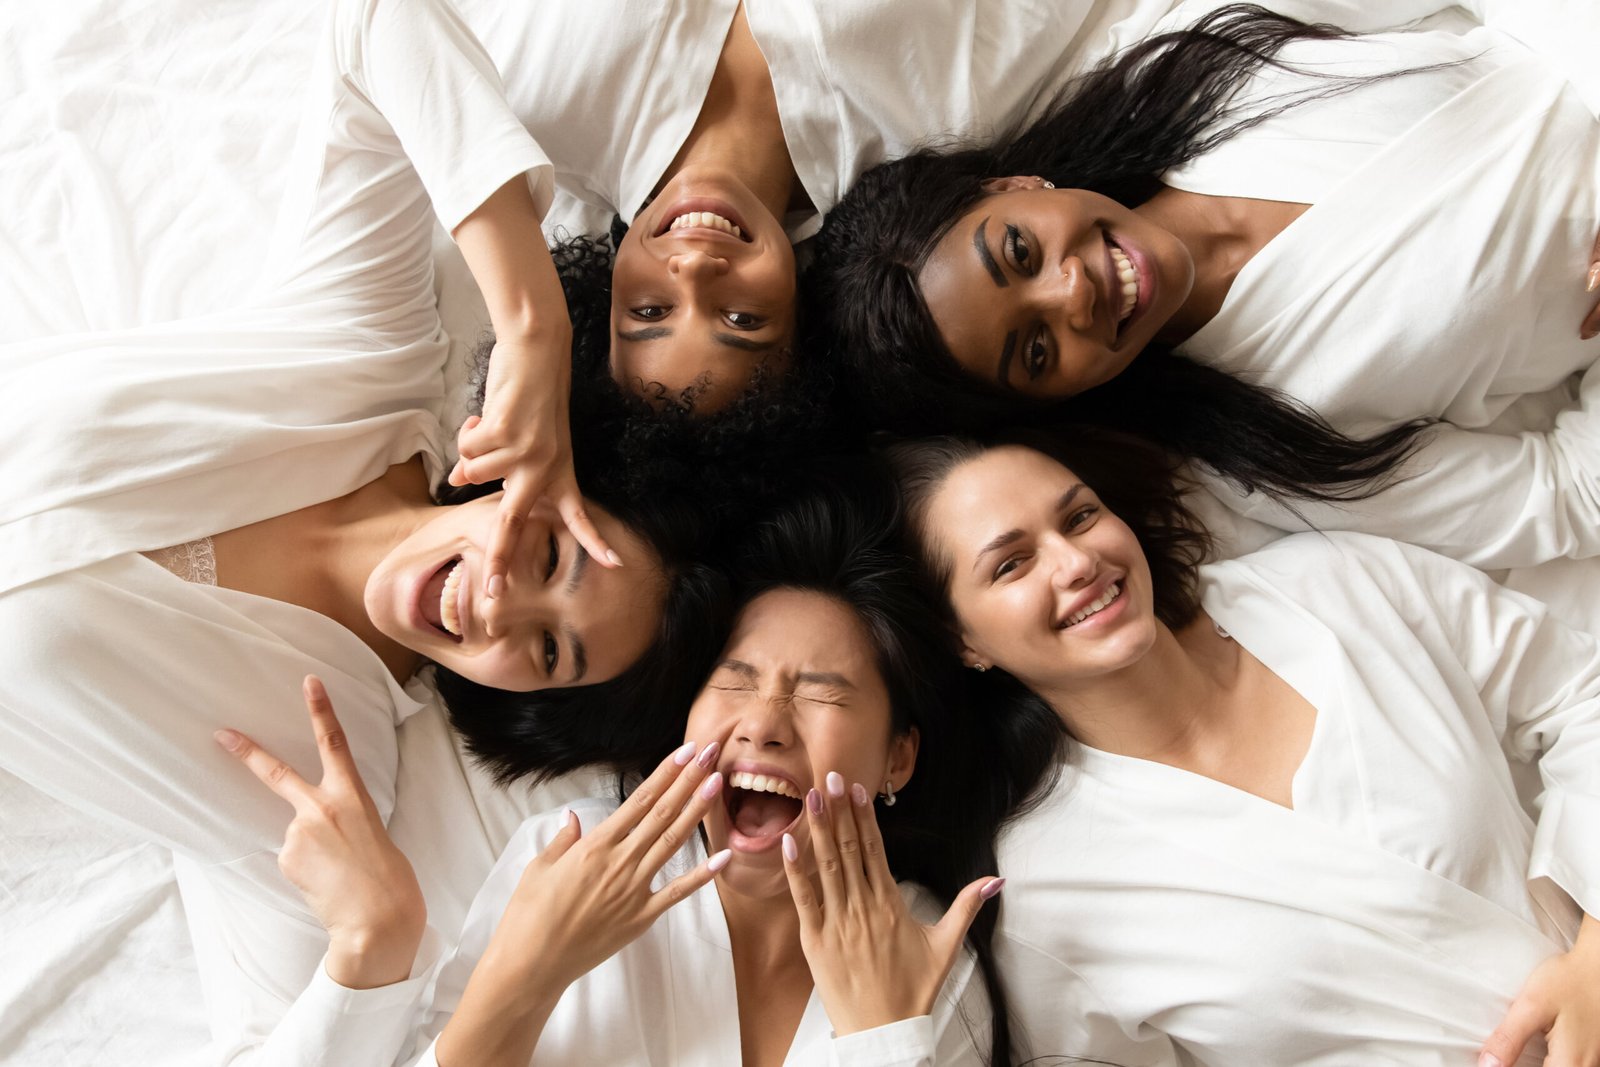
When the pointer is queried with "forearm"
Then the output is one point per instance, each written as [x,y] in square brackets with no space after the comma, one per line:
[506,252]
[503,1011]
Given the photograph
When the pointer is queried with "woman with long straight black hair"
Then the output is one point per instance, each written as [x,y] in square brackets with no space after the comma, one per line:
[1277,249]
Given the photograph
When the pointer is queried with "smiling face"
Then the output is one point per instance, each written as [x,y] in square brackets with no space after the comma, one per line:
[1046,582]
[795,694]
[562,620]
[1050,292]
[703,291]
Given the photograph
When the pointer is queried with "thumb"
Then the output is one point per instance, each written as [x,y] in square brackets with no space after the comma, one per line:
[948,933]
[565,838]
[1505,1045]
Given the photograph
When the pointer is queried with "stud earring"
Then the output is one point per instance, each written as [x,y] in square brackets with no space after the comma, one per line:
[888,794]
[1049,185]
[980,667]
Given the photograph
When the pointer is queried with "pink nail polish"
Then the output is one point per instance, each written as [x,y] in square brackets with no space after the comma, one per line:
[711,786]
[814,802]
[858,793]
[612,557]
[682,756]
[497,586]
[228,739]
[835,784]
[791,851]
[709,756]
[992,888]
[1489,1059]
[1591,284]
[719,861]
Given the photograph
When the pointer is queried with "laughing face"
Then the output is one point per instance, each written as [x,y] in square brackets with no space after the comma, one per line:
[703,291]
[1050,292]
[561,621]
[795,695]
[1046,582]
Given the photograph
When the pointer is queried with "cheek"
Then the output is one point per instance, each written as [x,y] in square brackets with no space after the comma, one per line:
[498,668]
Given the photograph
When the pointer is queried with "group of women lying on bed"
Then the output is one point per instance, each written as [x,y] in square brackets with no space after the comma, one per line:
[1330,801]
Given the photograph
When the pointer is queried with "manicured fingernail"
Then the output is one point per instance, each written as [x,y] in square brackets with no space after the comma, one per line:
[684,754]
[1584,335]
[1591,284]
[835,784]
[791,851]
[991,889]
[709,756]
[711,786]
[814,802]
[567,818]
[719,861]
[612,557]
[228,739]
[1489,1059]
[858,793]
[497,585]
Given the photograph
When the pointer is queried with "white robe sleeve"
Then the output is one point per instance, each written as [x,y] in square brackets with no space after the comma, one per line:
[1539,681]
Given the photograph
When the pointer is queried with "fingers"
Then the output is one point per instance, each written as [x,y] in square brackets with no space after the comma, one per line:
[946,935]
[824,847]
[338,765]
[800,888]
[1592,281]
[682,886]
[1591,322]
[576,516]
[663,830]
[1505,1045]
[565,838]
[842,817]
[275,774]
[512,516]
[649,793]
[874,863]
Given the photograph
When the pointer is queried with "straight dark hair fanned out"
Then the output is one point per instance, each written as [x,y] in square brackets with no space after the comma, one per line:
[841,538]
[1157,105]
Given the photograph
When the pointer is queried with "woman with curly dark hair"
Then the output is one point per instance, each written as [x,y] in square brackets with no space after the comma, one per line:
[1275,248]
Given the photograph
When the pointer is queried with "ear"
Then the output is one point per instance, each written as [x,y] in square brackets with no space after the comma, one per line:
[1012,184]
[903,758]
[970,657]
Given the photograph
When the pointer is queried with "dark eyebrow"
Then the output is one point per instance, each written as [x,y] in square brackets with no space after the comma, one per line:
[824,678]
[580,657]
[649,333]
[579,562]
[980,241]
[1008,352]
[744,344]
[1012,536]
[738,666]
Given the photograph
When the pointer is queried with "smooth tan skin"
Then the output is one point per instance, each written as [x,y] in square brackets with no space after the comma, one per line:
[1111,683]
[354,559]
[1059,280]
[699,287]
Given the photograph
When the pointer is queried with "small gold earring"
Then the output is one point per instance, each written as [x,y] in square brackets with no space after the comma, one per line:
[888,793]
[979,667]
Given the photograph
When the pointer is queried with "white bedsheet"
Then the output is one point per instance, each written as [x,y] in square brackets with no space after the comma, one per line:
[140,152]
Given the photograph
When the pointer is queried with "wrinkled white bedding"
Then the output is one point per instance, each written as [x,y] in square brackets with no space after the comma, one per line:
[141,144]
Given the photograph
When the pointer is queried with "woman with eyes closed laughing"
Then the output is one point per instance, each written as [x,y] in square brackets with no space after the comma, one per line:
[1272,778]
[822,754]
[1151,256]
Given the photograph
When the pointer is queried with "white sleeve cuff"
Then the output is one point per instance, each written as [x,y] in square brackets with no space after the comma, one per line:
[1564,848]
[906,1043]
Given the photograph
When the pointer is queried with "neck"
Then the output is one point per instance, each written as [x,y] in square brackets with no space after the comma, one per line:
[763,931]
[1165,707]
[1221,233]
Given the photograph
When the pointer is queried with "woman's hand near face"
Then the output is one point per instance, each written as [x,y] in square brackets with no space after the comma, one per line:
[581,900]
[1561,1000]
[874,964]
[523,436]
[339,855]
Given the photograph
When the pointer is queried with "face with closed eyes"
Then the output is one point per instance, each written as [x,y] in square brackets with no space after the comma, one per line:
[1046,582]
[562,620]
[1050,292]
[795,694]
[703,291]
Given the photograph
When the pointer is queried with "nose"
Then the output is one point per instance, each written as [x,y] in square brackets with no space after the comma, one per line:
[521,602]
[766,723]
[1071,567]
[1071,294]
[693,264]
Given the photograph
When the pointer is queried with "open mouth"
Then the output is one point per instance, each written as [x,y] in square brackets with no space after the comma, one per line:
[698,215]
[761,809]
[1112,594]
[1125,283]
[440,599]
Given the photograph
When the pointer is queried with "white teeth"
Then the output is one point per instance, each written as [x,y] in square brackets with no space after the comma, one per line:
[1128,276]
[760,783]
[1099,605]
[449,613]
[705,218]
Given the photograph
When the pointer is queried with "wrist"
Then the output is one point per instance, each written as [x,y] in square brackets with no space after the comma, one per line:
[375,954]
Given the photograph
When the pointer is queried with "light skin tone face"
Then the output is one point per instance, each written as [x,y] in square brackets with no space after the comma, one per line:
[694,306]
[1031,550]
[1028,294]
[562,621]
[795,694]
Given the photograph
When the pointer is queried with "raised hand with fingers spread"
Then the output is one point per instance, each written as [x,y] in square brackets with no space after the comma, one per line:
[873,963]
[338,853]
[580,901]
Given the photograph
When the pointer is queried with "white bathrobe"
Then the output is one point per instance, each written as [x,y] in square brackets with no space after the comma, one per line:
[115,671]
[1155,916]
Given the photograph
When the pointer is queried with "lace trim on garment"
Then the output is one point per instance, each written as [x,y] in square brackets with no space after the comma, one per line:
[194,562]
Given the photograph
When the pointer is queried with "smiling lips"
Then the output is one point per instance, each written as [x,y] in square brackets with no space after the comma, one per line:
[440,598]
[1094,607]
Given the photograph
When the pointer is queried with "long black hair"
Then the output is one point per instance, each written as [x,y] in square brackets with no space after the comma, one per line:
[841,538]
[1114,131]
